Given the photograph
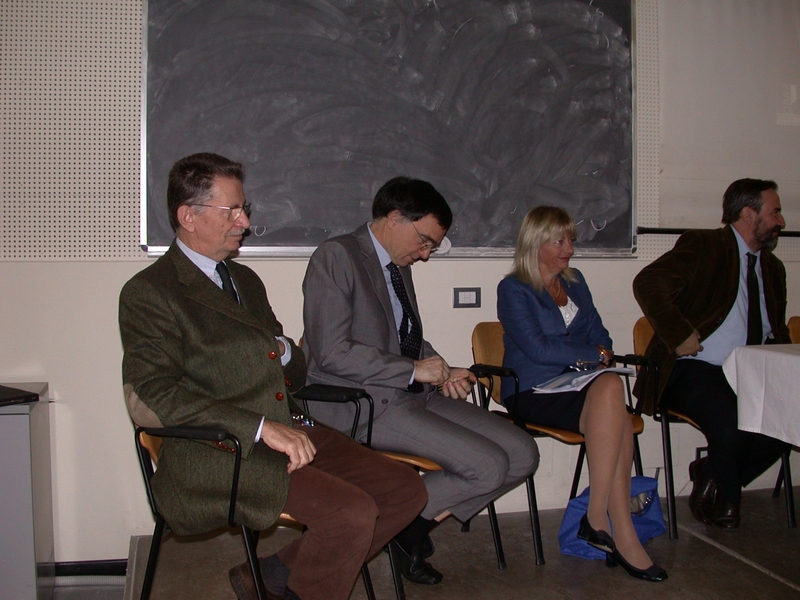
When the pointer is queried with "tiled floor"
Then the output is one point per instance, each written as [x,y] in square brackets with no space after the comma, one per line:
[759,560]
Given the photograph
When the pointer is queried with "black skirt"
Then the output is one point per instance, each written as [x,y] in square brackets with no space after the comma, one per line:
[560,409]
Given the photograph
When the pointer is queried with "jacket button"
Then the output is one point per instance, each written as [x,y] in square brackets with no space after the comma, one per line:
[279,396]
[287,382]
[272,355]
[385,401]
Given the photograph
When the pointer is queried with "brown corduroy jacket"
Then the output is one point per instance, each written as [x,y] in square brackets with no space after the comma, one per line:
[694,286]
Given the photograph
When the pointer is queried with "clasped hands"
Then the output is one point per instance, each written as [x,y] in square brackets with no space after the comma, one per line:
[453,383]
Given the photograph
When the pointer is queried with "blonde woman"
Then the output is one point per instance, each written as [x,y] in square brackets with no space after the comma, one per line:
[551,325]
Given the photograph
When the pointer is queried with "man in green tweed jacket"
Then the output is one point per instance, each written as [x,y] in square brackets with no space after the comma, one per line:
[203,347]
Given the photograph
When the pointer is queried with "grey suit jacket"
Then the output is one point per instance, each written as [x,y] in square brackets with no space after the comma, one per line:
[350,335]
[195,357]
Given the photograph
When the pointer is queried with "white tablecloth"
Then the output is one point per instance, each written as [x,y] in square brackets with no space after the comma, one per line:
[766,380]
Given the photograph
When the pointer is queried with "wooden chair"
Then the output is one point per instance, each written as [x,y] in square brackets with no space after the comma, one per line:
[642,334]
[488,351]
[794,329]
[148,446]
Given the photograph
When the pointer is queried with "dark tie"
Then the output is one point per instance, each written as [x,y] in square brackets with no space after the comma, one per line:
[410,340]
[227,283]
[755,333]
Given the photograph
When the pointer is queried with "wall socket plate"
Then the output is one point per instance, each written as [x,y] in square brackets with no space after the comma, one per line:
[467,297]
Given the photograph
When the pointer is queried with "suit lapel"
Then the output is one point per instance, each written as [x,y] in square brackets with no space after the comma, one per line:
[201,289]
[374,270]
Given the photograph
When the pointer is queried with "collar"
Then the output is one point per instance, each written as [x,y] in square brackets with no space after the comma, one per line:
[383,255]
[202,262]
[744,249]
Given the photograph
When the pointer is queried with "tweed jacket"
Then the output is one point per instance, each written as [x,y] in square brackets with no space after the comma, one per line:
[538,345]
[192,356]
[350,336]
[694,286]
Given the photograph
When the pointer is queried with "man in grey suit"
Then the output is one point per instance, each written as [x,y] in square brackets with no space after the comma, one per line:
[362,328]
[203,347]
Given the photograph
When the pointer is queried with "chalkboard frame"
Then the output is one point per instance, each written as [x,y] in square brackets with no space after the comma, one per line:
[448,250]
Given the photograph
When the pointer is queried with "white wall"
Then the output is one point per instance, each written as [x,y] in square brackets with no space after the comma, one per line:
[58,319]
[59,324]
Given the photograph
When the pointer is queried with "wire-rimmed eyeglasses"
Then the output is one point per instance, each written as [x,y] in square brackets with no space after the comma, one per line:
[426,242]
[234,212]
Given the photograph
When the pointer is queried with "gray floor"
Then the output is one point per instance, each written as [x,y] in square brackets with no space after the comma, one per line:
[759,560]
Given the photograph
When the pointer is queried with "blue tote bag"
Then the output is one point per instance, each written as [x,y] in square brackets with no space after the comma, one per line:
[645,513]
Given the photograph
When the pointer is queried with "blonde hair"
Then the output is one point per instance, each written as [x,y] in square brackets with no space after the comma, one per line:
[542,225]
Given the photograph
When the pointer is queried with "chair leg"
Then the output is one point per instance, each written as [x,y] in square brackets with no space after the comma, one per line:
[397,577]
[465,526]
[778,483]
[637,456]
[536,530]
[367,582]
[576,479]
[666,442]
[250,544]
[152,559]
[786,469]
[498,542]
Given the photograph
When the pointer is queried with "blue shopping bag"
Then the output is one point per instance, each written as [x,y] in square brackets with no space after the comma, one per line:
[645,513]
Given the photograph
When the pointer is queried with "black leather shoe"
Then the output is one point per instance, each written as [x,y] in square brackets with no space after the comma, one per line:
[414,567]
[704,492]
[653,573]
[599,539]
[726,515]
[243,585]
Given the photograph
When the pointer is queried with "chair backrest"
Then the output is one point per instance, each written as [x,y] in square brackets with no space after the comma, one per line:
[643,332]
[152,444]
[794,329]
[487,349]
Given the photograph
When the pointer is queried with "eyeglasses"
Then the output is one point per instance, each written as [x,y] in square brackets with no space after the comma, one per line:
[426,242]
[234,212]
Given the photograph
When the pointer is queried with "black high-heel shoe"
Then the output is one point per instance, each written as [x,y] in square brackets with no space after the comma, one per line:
[599,539]
[652,573]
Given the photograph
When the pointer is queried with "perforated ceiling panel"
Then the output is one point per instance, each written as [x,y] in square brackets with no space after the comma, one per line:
[71,101]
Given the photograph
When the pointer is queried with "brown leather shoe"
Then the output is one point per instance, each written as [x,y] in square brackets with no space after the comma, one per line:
[726,515]
[703,497]
[243,585]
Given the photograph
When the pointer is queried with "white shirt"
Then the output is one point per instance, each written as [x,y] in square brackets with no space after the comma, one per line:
[733,331]
[397,308]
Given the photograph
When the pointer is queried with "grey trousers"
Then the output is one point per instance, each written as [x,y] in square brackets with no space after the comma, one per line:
[482,455]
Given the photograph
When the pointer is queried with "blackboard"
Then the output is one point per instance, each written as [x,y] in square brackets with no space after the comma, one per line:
[501,105]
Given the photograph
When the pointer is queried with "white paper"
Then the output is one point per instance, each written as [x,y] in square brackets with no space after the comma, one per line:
[576,380]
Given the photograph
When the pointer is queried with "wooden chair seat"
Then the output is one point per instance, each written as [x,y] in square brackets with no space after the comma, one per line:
[418,462]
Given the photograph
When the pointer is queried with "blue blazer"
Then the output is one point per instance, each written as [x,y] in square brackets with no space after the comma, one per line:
[538,346]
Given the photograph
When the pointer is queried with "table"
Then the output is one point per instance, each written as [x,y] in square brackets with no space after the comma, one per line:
[766,380]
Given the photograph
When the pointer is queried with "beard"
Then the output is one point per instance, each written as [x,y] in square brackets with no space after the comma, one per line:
[767,238]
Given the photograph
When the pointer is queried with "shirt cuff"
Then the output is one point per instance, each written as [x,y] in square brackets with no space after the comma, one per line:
[287,353]
[258,431]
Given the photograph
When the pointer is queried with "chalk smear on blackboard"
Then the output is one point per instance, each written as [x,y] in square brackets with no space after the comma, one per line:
[501,105]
